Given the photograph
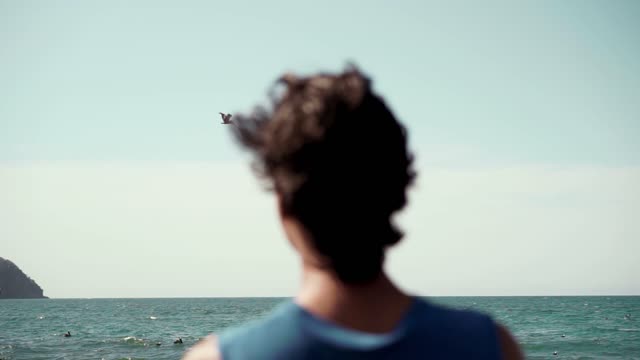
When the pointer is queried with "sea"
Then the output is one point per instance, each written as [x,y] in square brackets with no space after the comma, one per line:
[603,327]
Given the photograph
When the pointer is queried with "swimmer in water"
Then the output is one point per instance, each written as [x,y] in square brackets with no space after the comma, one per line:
[179,341]
[68,334]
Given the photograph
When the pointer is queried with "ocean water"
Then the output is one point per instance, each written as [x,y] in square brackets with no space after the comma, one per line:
[593,327]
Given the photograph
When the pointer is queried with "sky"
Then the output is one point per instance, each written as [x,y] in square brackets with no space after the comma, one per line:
[117,179]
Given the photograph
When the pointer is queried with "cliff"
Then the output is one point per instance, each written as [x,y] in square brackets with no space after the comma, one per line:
[15,284]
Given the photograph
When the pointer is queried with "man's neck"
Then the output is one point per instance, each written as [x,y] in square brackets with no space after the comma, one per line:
[374,307]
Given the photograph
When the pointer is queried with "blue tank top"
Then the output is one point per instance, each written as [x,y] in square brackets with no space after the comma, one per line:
[427,331]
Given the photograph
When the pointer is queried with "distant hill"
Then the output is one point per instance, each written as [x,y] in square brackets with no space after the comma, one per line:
[15,284]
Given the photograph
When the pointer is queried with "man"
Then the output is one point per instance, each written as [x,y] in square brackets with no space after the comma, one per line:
[338,163]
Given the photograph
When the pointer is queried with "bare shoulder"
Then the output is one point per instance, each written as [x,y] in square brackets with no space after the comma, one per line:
[508,345]
[205,349]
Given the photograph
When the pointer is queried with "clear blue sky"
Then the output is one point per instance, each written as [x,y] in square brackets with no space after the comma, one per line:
[540,98]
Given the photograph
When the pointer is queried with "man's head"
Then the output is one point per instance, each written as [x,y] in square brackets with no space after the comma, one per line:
[338,161]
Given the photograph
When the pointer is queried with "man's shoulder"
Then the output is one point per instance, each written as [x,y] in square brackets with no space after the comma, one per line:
[246,341]
[472,331]
[205,349]
[437,327]
[279,328]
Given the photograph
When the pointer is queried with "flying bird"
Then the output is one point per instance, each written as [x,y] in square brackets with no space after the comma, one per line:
[226,118]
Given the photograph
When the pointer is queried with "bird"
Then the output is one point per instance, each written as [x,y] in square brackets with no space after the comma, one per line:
[226,118]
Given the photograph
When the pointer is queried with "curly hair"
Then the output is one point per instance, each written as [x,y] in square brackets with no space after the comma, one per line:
[338,159]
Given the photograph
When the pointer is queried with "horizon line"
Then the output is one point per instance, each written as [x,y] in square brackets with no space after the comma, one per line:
[285,297]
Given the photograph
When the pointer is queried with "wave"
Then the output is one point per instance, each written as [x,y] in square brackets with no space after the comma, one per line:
[132,340]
